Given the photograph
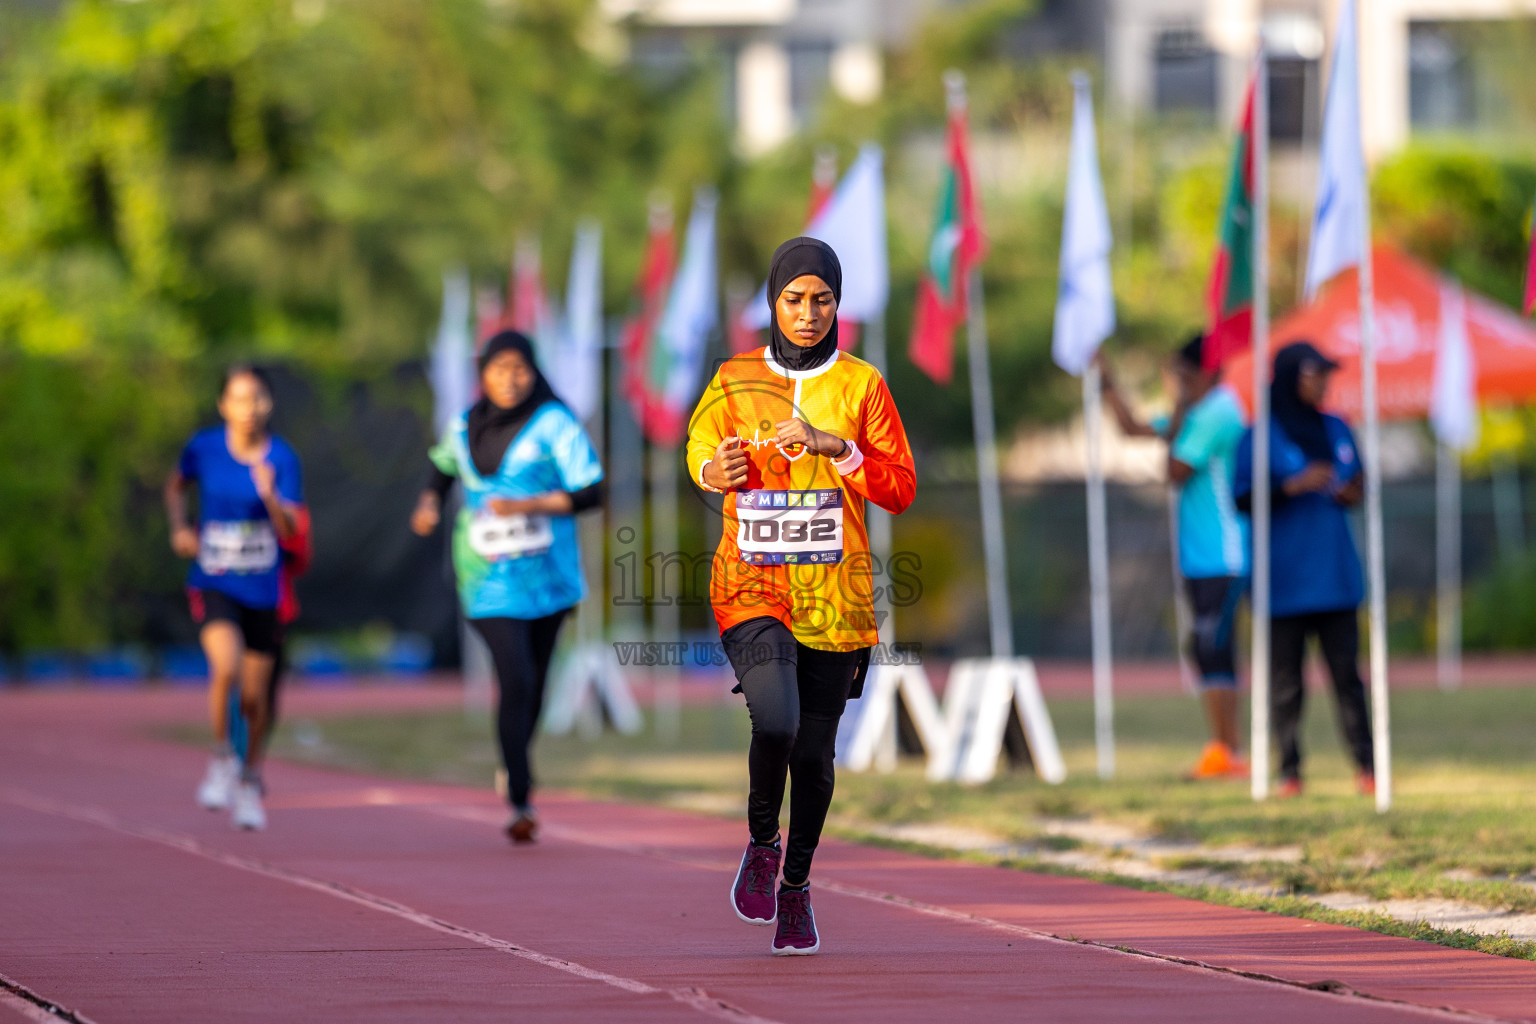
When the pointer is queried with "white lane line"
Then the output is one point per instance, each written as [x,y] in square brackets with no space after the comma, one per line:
[26,1008]
[694,998]
[16,996]
[1334,990]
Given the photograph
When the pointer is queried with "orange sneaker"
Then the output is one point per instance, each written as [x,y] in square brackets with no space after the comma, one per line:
[1240,768]
[1288,789]
[1365,783]
[1215,761]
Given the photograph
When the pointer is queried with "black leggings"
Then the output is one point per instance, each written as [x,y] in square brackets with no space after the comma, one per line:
[795,696]
[1338,633]
[521,649]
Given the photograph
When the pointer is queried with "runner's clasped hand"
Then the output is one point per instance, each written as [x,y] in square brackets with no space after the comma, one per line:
[727,470]
[797,431]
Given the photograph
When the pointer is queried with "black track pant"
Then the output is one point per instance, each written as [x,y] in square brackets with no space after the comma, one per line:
[521,649]
[795,696]
[1338,633]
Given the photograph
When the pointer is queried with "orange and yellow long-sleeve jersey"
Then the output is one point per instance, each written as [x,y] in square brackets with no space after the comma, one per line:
[793,543]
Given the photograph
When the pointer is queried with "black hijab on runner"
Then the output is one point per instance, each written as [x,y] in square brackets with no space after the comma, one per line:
[1302,423]
[492,428]
[795,258]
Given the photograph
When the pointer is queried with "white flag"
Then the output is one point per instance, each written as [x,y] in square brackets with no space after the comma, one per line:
[852,222]
[576,373]
[1453,402]
[1085,297]
[1338,225]
[693,306]
[451,369]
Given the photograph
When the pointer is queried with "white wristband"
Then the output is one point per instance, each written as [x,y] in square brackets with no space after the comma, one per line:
[849,462]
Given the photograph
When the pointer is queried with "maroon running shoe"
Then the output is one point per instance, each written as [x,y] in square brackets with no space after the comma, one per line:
[524,827]
[754,893]
[796,935]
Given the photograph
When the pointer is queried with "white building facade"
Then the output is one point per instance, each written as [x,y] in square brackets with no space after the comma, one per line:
[1168,54]
[783,55]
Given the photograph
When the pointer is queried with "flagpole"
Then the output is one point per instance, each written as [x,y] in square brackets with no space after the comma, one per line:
[878,520]
[1098,575]
[1181,612]
[1085,318]
[999,615]
[1448,564]
[591,619]
[1258,742]
[1376,555]
[626,508]
[666,620]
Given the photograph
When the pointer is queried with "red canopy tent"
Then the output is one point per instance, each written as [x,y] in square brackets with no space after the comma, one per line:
[1408,300]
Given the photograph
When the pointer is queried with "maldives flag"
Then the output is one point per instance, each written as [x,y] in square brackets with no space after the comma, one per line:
[639,336]
[1229,298]
[1530,271]
[955,246]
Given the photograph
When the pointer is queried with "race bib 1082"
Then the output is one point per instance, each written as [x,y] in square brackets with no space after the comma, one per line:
[494,537]
[790,527]
[237,546]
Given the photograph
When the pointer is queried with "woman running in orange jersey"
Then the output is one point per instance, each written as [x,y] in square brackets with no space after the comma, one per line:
[797,435]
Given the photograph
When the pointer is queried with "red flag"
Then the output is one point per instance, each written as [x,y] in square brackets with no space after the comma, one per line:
[954,248]
[528,308]
[1229,298]
[490,315]
[1530,272]
[640,331]
[739,337]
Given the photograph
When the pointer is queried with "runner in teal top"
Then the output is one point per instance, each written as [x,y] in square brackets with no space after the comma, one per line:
[526,468]
[1202,435]
[510,560]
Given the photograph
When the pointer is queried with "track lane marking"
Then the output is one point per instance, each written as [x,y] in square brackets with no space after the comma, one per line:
[1325,989]
[16,996]
[694,998]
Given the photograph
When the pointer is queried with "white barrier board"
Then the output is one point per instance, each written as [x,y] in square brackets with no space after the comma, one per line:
[963,741]
[866,736]
[983,696]
[589,680]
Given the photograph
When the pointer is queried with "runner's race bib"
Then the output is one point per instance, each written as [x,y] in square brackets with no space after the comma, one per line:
[241,546]
[790,527]
[496,538]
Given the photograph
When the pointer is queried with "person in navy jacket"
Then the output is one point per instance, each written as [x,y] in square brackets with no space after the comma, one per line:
[1316,585]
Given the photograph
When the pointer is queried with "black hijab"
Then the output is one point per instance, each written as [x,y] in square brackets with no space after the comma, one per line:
[1302,423]
[795,258]
[492,428]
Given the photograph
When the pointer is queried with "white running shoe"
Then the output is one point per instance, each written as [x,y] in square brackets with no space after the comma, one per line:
[247,811]
[218,783]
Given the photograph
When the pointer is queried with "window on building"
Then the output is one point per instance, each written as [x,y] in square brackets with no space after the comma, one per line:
[1441,90]
[1472,77]
[1295,99]
[1184,72]
[810,72]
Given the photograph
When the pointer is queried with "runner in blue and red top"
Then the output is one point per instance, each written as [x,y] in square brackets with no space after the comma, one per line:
[249,492]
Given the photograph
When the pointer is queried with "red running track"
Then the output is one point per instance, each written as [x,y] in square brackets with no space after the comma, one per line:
[378,901]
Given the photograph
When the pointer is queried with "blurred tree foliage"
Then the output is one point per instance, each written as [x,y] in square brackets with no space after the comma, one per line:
[188,181]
